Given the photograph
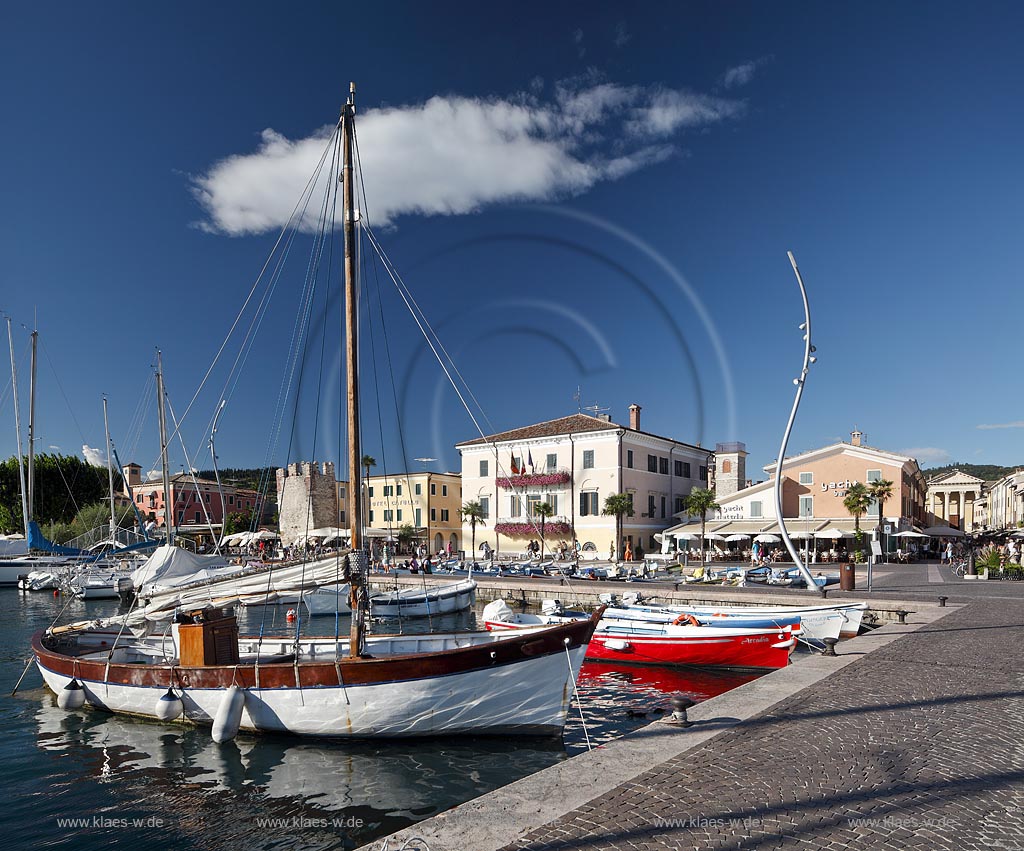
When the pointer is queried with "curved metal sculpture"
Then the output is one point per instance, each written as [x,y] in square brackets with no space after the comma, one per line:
[809,359]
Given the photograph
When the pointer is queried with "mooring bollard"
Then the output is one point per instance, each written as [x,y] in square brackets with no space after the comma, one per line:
[942,602]
[830,646]
[680,703]
[902,615]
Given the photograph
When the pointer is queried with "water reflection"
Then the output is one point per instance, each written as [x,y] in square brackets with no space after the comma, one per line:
[221,796]
[359,789]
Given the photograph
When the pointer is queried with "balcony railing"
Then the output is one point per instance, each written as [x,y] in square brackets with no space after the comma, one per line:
[544,478]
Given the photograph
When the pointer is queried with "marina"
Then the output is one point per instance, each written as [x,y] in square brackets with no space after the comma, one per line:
[463,461]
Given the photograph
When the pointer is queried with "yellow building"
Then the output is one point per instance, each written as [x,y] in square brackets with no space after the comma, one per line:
[428,502]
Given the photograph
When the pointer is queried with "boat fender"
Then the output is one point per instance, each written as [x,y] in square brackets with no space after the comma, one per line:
[72,696]
[617,644]
[290,615]
[169,706]
[229,715]
[686,619]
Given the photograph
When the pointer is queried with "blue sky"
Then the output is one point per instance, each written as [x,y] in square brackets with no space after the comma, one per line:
[671,155]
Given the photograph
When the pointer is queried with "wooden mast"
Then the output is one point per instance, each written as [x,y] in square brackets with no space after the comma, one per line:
[352,377]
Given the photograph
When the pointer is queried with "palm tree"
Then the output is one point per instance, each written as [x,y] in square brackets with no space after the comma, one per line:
[697,504]
[473,512]
[618,505]
[368,461]
[543,510]
[880,490]
[856,501]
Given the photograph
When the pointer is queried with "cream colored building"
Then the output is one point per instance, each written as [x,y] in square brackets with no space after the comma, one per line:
[952,498]
[574,463]
[813,487]
[428,502]
[1005,502]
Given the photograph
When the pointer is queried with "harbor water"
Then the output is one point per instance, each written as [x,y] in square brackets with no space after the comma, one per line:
[88,780]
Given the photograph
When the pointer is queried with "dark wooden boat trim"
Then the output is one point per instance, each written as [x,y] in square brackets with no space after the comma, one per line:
[345,672]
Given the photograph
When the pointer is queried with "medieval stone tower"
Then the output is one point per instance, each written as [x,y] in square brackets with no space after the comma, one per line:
[730,468]
[306,498]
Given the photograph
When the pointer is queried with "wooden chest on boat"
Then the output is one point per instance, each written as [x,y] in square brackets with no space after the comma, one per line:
[212,642]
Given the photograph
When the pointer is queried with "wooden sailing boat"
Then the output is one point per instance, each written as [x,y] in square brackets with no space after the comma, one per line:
[199,670]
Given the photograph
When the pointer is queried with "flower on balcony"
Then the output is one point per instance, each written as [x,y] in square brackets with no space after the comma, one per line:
[533,479]
[524,530]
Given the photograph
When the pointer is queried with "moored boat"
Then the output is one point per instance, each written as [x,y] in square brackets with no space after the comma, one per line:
[417,603]
[401,686]
[691,644]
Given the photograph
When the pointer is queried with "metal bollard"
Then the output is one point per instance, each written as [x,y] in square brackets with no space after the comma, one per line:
[680,703]
[902,615]
[942,602]
[830,646]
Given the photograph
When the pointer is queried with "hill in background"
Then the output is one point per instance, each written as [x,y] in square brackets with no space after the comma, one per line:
[988,472]
[243,477]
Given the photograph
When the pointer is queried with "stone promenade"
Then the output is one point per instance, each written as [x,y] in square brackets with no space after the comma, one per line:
[918,743]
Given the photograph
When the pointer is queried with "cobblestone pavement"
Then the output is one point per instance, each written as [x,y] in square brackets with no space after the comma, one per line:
[920,744]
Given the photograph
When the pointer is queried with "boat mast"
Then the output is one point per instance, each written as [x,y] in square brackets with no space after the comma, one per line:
[17,429]
[30,484]
[352,375]
[110,471]
[168,507]
[216,475]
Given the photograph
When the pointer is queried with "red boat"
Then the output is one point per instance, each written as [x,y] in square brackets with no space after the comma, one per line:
[689,644]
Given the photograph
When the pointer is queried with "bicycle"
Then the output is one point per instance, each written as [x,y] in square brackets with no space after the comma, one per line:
[959,566]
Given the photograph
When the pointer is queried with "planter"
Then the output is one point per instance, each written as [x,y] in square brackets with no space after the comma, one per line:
[529,530]
[532,480]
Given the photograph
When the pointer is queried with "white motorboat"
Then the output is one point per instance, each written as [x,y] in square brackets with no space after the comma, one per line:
[426,602]
[328,600]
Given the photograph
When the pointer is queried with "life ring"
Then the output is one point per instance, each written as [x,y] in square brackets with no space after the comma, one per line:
[686,619]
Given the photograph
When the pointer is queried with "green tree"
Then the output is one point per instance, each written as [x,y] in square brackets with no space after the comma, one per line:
[543,510]
[89,518]
[856,501]
[698,503]
[473,512]
[239,521]
[405,535]
[880,490]
[63,485]
[618,505]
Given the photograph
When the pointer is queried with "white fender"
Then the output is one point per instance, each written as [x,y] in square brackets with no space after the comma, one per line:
[169,706]
[72,696]
[229,715]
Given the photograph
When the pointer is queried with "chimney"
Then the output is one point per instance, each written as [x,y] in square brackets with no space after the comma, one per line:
[855,436]
[634,417]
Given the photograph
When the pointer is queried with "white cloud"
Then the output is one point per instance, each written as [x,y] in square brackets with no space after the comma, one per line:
[669,110]
[1014,424]
[621,36]
[740,75]
[454,155]
[928,454]
[96,457]
[153,475]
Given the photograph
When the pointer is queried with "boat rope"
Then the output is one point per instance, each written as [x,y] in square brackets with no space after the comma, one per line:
[195,482]
[579,703]
[292,221]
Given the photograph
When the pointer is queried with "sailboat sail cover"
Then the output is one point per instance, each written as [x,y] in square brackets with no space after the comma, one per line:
[38,541]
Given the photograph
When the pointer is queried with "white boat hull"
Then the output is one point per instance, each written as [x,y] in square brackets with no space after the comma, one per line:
[328,601]
[413,603]
[530,697]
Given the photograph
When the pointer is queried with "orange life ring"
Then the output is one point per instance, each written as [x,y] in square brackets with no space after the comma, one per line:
[687,619]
